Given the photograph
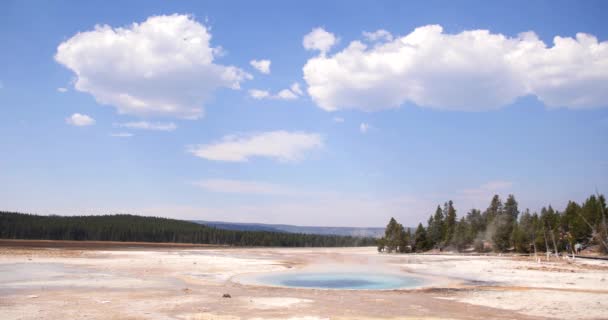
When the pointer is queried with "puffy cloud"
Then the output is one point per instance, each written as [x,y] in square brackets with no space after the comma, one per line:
[378,35]
[279,145]
[145,125]
[262,66]
[259,94]
[295,88]
[243,187]
[62,90]
[286,94]
[319,39]
[470,71]
[163,66]
[80,120]
[363,127]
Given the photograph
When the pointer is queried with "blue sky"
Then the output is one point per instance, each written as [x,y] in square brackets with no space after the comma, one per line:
[170,117]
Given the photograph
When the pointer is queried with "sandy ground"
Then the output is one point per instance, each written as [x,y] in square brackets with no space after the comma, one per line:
[189,282]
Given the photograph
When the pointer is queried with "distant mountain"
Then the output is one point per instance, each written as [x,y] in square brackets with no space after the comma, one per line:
[341,231]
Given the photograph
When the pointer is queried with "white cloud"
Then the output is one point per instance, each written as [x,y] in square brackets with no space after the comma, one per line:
[279,145]
[319,39]
[471,71]
[286,94]
[262,66]
[163,66]
[378,35]
[243,187]
[363,127]
[294,92]
[259,94]
[145,125]
[295,88]
[80,120]
[338,119]
[121,134]
[62,90]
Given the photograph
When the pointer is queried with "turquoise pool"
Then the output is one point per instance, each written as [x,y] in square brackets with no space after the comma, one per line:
[340,280]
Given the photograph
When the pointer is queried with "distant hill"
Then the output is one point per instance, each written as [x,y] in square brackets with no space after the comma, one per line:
[374,232]
[131,228]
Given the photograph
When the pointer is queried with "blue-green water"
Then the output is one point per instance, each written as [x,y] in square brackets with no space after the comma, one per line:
[335,280]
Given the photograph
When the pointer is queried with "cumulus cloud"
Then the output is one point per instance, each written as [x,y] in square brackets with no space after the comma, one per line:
[292,93]
[295,88]
[283,146]
[146,125]
[80,120]
[286,94]
[319,39]
[262,66]
[471,71]
[163,66]
[243,187]
[378,35]
[259,94]
[62,90]
[363,127]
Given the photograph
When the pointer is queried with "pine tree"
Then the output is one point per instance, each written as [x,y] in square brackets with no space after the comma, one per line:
[450,223]
[436,230]
[503,224]
[393,235]
[421,238]
[460,239]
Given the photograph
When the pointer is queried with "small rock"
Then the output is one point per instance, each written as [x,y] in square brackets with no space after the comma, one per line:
[226,295]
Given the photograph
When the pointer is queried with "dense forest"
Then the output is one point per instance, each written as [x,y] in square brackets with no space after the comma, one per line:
[501,228]
[123,227]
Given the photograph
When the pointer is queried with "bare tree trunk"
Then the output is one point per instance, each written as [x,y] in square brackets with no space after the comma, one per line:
[595,232]
[534,243]
[554,245]
[603,222]
[546,242]
[572,249]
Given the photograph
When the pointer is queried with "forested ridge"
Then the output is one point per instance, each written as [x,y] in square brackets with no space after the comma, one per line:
[123,227]
[503,228]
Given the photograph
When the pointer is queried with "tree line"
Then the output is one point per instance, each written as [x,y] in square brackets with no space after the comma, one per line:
[501,228]
[123,227]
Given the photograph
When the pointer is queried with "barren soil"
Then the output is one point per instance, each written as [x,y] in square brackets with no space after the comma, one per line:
[42,280]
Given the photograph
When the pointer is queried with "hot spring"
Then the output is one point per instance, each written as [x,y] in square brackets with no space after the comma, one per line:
[340,280]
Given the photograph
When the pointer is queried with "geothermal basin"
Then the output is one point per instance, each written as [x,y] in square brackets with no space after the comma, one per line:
[101,281]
